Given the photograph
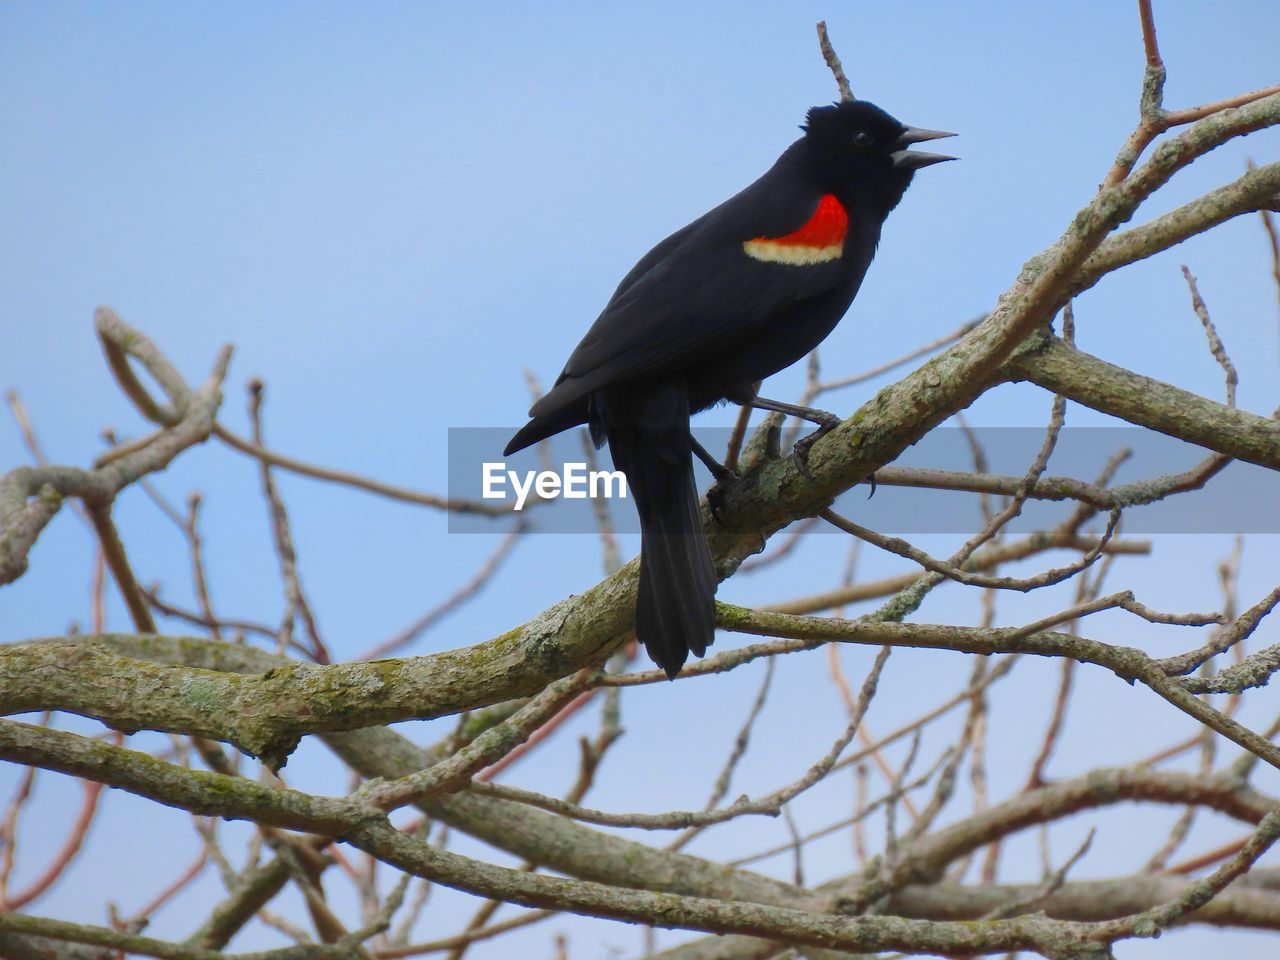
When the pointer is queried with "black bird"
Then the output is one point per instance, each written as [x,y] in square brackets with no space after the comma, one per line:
[742,292]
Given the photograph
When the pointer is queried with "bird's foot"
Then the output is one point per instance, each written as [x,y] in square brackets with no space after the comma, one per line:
[801,450]
[725,478]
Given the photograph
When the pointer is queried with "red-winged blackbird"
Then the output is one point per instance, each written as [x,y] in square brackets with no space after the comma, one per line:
[742,292]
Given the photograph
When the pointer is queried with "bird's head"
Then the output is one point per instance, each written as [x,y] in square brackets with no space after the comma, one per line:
[860,148]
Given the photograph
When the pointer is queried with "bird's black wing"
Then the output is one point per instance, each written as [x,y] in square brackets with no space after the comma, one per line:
[698,292]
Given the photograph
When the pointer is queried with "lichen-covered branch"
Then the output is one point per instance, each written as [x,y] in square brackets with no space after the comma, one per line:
[1259,189]
[1146,402]
[1091,900]
[31,496]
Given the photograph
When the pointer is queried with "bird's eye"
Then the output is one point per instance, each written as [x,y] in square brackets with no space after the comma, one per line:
[862,139]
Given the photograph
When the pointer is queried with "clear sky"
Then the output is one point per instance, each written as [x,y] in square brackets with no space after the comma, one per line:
[393,209]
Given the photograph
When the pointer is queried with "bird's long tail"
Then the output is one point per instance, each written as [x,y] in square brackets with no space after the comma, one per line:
[648,433]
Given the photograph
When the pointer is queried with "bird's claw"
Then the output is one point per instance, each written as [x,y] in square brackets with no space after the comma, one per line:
[801,452]
[802,446]
[716,492]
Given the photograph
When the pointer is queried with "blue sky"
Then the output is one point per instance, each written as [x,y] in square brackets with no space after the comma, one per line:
[393,209]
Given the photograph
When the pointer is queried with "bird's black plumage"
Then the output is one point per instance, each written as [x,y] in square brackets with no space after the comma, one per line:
[739,294]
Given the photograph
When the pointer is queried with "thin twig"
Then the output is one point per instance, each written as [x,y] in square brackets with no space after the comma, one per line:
[468,591]
[833,61]
[295,598]
[390,491]
[836,669]
[461,939]
[1215,342]
[736,753]
[951,570]
[197,564]
[1052,884]
[890,365]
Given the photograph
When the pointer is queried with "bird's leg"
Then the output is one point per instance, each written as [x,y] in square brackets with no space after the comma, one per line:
[718,469]
[825,420]
[722,474]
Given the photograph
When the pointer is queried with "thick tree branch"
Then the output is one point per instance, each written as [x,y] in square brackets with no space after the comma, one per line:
[1151,403]
[267,713]
[262,714]
[1259,189]
[1091,900]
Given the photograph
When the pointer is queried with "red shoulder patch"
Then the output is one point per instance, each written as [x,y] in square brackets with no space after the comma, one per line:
[820,239]
[827,226]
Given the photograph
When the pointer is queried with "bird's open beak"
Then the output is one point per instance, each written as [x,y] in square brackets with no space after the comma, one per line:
[905,159]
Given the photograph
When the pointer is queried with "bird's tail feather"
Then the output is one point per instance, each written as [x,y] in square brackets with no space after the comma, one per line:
[546,425]
[675,602]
